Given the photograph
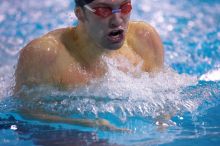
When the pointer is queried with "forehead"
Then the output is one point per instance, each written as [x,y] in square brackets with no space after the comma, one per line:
[109,2]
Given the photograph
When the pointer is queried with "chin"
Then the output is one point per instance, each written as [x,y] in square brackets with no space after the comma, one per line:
[114,46]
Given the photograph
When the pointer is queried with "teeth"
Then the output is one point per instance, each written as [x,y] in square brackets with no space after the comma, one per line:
[115,36]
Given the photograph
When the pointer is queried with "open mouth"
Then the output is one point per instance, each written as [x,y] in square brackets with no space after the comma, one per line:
[116,35]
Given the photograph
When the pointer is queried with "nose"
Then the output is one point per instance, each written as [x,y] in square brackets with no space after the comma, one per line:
[116,20]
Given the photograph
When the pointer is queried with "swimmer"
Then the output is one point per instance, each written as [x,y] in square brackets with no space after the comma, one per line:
[73,56]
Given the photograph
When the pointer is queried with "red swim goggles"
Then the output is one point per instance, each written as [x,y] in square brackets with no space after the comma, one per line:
[105,12]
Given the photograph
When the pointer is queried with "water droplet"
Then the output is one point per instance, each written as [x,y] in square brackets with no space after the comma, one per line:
[13,127]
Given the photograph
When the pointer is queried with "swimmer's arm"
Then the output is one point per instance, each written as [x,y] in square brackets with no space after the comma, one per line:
[99,123]
[36,63]
[157,46]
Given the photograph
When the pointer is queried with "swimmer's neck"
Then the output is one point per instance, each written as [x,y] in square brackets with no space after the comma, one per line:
[87,49]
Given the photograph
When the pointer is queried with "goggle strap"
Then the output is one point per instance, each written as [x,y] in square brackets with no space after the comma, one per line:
[116,11]
[89,8]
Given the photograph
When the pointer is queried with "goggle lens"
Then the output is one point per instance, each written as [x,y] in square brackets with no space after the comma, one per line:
[106,11]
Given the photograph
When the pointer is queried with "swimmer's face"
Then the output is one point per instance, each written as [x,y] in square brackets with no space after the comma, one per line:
[107,31]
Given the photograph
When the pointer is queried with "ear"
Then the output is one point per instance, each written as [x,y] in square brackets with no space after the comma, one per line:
[79,14]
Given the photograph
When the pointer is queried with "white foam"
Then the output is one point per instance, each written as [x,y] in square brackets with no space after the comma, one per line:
[6,81]
[213,75]
[123,94]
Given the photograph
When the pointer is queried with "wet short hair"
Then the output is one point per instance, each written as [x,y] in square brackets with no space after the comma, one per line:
[81,3]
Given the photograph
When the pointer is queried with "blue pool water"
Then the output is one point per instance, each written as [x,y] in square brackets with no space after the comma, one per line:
[188,88]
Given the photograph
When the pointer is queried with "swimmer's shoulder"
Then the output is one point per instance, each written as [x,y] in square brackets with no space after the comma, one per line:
[61,33]
[47,47]
[37,61]
[145,40]
[134,25]
[142,28]
[44,59]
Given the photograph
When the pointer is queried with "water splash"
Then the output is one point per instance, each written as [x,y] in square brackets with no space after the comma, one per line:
[120,94]
[6,81]
[190,32]
[184,51]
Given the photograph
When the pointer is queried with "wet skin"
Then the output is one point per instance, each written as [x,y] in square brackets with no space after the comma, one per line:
[62,58]
[73,56]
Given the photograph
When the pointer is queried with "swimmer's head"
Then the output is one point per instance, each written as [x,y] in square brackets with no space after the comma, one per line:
[105,21]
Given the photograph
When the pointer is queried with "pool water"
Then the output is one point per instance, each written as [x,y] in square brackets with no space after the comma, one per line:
[188,88]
